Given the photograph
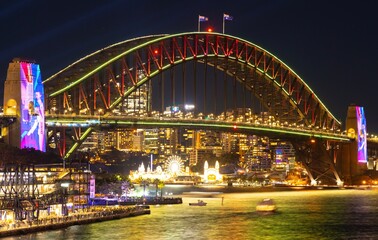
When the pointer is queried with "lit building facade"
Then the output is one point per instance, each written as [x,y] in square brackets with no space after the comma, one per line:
[283,155]
[258,156]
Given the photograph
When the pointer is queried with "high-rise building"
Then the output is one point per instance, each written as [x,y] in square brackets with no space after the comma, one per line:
[258,157]
[138,103]
[283,155]
[168,142]
[235,143]
[125,139]
[186,139]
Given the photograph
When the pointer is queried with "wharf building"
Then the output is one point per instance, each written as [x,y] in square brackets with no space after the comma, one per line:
[32,191]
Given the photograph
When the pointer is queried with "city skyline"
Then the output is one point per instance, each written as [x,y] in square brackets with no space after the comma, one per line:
[329,45]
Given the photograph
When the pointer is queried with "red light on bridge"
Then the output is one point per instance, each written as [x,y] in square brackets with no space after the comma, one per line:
[235,127]
[156,52]
[210,29]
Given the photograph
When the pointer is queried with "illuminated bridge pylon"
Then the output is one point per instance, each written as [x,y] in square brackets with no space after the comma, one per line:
[225,78]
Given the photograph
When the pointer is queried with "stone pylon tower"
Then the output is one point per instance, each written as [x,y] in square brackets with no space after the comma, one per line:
[354,158]
[24,98]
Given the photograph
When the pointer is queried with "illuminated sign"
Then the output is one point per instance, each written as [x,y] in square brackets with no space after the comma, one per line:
[32,107]
[175,109]
[279,155]
[361,135]
[189,107]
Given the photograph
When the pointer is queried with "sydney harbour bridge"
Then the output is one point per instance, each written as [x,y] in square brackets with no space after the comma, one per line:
[231,84]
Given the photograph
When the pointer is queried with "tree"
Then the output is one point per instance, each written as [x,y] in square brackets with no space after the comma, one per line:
[11,154]
[143,182]
[126,186]
[107,183]
[159,186]
[230,158]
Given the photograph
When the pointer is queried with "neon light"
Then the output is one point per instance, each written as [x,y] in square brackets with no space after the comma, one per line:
[174,122]
[159,39]
[77,144]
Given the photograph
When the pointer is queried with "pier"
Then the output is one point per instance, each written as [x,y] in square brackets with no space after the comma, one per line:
[95,214]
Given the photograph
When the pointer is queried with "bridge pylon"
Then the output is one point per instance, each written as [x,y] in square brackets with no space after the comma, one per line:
[24,98]
[353,158]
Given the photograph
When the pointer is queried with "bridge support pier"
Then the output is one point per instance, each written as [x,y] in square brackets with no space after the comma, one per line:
[318,157]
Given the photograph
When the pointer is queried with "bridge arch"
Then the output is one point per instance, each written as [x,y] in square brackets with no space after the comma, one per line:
[242,59]
[101,80]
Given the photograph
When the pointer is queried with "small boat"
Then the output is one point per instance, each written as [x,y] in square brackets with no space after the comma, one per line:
[199,203]
[266,205]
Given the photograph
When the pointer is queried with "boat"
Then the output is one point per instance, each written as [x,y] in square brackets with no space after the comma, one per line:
[199,203]
[266,205]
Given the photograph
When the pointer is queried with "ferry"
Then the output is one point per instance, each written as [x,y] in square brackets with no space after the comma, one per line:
[266,205]
[199,203]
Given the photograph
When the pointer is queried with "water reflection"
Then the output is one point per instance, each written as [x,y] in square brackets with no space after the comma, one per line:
[325,214]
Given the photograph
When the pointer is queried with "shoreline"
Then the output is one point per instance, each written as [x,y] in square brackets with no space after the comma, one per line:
[211,190]
[41,225]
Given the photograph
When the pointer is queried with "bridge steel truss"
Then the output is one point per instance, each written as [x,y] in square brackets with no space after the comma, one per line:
[96,84]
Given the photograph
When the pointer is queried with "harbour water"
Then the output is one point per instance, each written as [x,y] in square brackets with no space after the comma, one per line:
[315,214]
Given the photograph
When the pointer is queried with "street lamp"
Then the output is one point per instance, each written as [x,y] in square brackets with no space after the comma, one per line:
[65,185]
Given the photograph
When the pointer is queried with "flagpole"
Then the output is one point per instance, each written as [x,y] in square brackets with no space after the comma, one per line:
[199,23]
[223,23]
[226,17]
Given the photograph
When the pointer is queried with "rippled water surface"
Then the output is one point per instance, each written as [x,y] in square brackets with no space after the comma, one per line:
[321,214]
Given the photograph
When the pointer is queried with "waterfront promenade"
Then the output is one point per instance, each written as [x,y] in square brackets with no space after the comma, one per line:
[92,215]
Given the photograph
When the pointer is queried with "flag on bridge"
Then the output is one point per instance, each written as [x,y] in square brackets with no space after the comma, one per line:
[226,17]
[201,19]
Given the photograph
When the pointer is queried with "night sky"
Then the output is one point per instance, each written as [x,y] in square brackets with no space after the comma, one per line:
[331,45]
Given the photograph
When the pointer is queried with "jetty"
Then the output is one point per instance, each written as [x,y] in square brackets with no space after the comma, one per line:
[147,200]
[152,201]
[95,214]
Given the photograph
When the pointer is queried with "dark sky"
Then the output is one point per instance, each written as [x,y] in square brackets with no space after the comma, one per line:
[332,45]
